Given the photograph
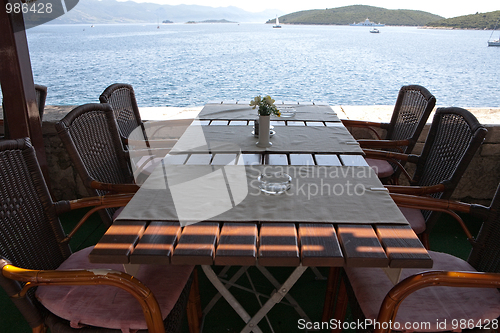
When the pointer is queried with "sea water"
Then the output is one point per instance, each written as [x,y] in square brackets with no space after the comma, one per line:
[192,64]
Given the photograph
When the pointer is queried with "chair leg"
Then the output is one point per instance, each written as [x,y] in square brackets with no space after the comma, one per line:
[331,291]
[341,308]
[424,238]
[194,314]
[335,298]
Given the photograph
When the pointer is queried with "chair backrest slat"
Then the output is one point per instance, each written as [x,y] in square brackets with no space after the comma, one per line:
[413,107]
[90,135]
[411,111]
[454,138]
[92,138]
[121,97]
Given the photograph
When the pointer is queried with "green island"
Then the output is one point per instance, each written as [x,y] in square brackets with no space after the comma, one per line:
[358,13]
[479,21]
[396,17]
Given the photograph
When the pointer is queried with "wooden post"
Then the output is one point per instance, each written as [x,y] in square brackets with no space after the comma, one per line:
[18,89]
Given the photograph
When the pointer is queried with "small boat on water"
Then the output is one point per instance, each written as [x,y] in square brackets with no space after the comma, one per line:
[374,31]
[277,25]
[494,42]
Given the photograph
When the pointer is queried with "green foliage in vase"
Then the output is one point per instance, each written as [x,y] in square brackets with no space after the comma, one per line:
[266,106]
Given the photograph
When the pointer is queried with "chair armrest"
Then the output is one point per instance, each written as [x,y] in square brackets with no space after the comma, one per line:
[399,292]
[114,188]
[438,205]
[383,143]
[366,124]
[394,158]
[388,155]
[98,203]
[416,190]
[115,200]
[362,123]
[120,280]
[29,310]
[151,144]
[429,203]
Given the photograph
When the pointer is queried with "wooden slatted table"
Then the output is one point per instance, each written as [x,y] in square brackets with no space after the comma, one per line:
[266,244]
[262,244]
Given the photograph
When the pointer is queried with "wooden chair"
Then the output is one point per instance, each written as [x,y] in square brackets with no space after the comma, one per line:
[419,297]
[90,135]
[454,137]
[70,291]
[121,97]
[413,107]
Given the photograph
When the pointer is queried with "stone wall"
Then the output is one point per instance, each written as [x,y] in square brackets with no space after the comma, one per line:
[478,184]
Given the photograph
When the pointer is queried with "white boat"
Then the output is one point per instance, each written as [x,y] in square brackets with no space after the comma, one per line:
[374,31]
[494,42]
[366,23]
[277,25]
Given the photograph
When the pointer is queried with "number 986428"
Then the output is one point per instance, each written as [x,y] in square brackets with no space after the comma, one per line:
[25,8]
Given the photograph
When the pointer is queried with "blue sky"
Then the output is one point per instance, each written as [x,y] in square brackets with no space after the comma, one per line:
[440,7]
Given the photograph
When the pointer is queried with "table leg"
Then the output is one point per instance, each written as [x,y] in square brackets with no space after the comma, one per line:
[229,298]
[258,300]
[227,285]
[318,274]
[275,298]
[289,297]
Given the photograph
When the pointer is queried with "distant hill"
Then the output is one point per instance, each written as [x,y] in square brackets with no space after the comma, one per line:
[474,21]
[358,13]
[112,11]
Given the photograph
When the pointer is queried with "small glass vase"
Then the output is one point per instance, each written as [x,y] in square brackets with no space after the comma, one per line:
[264,133]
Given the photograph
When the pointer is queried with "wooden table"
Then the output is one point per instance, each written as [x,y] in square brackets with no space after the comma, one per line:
[261,244]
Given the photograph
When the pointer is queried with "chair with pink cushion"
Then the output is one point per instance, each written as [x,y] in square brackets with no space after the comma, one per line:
[454,296]
[413,107]
[454,138]
[55,288]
